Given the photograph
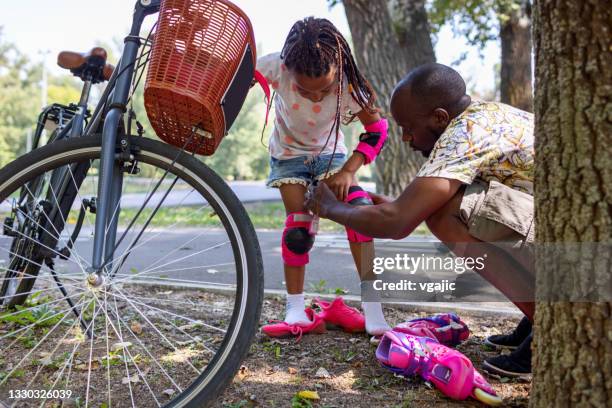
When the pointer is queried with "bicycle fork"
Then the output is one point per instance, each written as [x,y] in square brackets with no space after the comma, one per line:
[110,180]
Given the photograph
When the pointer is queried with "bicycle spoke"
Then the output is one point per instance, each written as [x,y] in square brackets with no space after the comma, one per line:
[192,283]
[124,297]
[36,323]
[108,375]
[176,327]
[178,302]
[53,225]
[68,362]
[179,259]
[64,220]
[114,260]
[155,321]
[46,247]
[32,350]
[132,359]
[156,329]
[52,353]
[127,371]
[4,316]
[188,268]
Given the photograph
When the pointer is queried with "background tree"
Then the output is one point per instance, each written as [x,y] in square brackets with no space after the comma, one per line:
[481,21]
[573,345]
[19,100]
[390,38]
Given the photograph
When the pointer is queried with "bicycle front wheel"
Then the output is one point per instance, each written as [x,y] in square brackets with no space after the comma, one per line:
[176,307]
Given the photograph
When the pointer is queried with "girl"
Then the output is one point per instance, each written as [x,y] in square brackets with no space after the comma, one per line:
[317,85]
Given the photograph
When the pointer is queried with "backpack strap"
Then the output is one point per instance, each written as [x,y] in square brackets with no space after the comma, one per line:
[261,80]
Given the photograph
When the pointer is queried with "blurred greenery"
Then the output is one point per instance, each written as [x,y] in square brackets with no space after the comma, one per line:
[20,98]
[477,21]
[241,155]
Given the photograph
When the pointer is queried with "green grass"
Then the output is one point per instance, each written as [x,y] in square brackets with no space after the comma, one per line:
[263,215]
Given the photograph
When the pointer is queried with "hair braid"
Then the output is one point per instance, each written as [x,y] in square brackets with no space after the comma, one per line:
[314,46]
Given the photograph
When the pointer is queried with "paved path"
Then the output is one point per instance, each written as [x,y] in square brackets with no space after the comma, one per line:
[247,191]
[331,263]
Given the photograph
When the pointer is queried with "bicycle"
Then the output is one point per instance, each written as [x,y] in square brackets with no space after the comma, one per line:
[102,299]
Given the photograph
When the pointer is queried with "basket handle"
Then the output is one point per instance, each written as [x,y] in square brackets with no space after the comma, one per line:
[261,80]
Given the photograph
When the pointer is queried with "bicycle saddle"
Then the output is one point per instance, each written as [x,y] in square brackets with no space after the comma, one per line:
[88,65]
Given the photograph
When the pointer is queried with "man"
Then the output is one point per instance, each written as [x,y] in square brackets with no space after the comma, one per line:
[476,188]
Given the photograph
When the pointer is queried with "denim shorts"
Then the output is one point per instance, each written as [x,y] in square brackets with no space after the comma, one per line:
[303,169]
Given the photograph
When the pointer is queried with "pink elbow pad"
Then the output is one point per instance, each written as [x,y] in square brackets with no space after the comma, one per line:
[372,141]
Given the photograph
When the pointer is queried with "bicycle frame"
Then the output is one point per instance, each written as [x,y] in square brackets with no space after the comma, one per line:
[110,182]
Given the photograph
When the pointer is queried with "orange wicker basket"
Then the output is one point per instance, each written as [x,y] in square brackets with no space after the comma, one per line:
[202,65]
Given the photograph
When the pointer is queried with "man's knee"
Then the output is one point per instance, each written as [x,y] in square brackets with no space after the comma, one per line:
[444,222]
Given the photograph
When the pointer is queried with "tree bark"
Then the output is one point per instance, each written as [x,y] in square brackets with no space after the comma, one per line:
[386,49]
[573,196]
[515,75]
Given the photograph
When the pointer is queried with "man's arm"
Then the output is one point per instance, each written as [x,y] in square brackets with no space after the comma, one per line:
[396,219]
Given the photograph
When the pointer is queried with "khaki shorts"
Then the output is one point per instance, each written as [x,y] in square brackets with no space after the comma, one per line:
[496,213]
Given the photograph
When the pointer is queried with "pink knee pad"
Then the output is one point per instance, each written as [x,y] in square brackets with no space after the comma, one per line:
[357,196]
[297,240]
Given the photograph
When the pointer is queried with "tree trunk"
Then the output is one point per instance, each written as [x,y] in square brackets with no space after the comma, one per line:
[515,75]
[385,55]
[573,341]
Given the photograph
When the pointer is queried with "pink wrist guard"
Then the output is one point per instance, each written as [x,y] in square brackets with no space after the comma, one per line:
[372,141]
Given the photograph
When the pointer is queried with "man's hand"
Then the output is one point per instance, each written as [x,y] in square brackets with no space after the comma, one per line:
[320,200]
[379,198]
[340,183]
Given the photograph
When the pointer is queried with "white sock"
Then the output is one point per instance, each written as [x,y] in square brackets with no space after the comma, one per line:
[294,310]
[375,322]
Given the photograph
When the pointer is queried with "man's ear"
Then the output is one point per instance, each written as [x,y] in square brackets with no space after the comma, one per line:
[441,118]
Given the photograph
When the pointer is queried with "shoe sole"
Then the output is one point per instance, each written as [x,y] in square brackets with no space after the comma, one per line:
[499,346]
[491,369]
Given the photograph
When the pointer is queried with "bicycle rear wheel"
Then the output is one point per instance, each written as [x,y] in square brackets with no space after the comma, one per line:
[179,304]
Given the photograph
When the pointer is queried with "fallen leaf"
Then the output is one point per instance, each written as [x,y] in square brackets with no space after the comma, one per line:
[169,392]
[322,373]
[121,346]
[136,328]
[242,373]
[133,379]
[310,395]
[85,366]
[292,370]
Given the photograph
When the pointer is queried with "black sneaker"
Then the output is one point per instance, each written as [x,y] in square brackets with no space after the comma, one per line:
[513,340]
[515,364]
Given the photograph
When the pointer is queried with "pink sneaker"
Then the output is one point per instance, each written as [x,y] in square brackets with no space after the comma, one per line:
[283,329]
[337,313]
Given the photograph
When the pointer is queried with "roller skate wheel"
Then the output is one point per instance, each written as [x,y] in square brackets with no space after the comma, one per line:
[486,398]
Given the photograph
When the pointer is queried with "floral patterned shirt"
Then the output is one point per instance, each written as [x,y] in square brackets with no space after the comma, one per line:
[488,141]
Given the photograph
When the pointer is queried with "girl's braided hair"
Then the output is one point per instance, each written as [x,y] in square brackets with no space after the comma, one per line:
[313,46]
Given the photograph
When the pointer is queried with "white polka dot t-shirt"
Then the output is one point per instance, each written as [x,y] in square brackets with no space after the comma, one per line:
[301,126]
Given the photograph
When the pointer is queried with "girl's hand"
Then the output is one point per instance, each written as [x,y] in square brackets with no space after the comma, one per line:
[340,183]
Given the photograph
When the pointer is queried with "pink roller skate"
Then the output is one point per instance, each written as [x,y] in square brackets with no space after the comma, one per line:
[449,370]
[447,328]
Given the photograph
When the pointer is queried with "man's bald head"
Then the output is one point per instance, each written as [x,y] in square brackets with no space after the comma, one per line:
[425,101]
[433,86]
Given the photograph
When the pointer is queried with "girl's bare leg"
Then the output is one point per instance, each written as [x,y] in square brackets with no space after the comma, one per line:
[293,199]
